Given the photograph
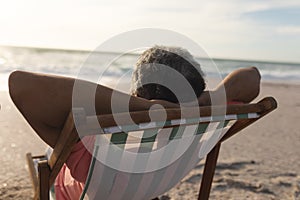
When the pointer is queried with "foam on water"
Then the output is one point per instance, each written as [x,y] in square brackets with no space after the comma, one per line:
[68,63]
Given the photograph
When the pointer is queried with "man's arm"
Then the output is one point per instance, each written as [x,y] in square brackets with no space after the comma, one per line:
[46,100]
[242,85]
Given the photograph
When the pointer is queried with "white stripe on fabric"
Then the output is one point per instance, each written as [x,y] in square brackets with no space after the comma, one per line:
[150,125]
[178,121]
[253,115]
[147,125]
[112,129]
[206,119]
[231,117]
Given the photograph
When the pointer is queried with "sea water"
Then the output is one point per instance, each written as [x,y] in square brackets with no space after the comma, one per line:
[74,63]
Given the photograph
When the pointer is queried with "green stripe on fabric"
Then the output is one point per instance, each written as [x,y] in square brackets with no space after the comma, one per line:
[119,138]
[52,192]
[160,174]
[90,173]
[149,135]
[220,125]
[218,118]
[146,147]
[242,116]
[106,179]
[168,123]
[192,120]
[185,160]
[226,123]
[166,158]
[201,128]
[177,132]
[148,140]
[173,133]
[128,128]
[223,124]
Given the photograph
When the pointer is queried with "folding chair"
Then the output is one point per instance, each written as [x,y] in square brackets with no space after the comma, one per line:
[203,131]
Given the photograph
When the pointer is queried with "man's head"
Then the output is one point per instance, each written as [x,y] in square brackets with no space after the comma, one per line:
[152,64]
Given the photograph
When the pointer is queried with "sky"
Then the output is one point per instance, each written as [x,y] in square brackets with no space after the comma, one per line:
[236,29]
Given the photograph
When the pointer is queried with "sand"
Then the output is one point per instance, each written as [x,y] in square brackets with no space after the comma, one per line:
[261,162]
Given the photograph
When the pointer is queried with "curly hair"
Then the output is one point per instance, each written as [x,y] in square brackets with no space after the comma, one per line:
[149,66]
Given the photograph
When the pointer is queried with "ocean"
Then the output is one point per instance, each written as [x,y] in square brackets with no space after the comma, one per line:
[71,62]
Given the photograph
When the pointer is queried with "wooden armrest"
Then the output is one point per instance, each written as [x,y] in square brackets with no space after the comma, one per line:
[68,138]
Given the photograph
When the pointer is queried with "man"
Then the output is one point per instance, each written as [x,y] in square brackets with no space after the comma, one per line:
[45,100]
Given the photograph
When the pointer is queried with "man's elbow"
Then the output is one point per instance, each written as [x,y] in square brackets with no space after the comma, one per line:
[16,85]
[255,81]
[255,72]
[12,84]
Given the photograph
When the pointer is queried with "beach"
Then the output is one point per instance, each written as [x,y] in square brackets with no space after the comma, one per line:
[261,162]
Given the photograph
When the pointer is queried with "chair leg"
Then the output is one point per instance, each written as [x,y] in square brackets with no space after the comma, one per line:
[44,173]
[32,172]
[208,173]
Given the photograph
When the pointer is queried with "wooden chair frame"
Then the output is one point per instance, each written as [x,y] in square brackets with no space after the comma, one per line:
[49,169]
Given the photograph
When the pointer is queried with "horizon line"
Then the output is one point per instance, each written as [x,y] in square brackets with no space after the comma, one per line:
[116,52]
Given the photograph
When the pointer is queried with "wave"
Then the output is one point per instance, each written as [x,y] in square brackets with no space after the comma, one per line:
[69,63]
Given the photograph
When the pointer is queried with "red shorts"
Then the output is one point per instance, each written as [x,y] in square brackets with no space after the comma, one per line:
[70,181]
